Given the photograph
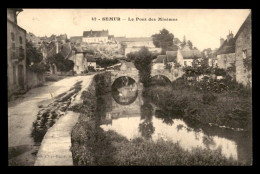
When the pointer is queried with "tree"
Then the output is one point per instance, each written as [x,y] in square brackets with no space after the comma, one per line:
[104,62]
[34,59]
[190,44]
[62,64]
[143,62]
[32,55]
[183,42]
[163,40]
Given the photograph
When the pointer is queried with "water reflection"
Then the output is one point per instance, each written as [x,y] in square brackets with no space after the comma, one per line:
[146,127]
[143,119]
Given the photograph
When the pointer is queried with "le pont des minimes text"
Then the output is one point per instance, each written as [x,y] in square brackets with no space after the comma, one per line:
[132,19]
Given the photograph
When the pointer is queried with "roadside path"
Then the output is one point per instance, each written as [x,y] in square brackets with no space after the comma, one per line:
[55,146]
[22,112]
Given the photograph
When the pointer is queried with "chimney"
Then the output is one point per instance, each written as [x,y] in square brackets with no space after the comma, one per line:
[229,36]
[221,41]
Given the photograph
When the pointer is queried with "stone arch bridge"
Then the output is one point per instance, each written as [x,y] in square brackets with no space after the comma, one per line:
[134,75]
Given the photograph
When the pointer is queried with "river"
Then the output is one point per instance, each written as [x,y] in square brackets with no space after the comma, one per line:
[128,113]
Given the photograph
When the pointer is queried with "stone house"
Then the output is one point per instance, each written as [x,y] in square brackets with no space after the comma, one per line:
[226,53]
[184,56]
[91,61]
[79,59]
[134,44]
[159,63]
[34,39]
[76,39]
[95,36]
[16,53]
[243,51]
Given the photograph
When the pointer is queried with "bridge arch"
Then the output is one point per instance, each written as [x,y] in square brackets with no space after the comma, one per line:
[160,77]
[124,90]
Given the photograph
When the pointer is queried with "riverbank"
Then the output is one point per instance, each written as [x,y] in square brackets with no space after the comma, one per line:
[91,145]
[228,109]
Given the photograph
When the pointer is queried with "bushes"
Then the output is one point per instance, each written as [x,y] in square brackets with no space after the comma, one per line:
[208,98]
[88,149]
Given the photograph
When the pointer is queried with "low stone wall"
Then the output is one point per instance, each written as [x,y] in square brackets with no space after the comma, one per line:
[34,79]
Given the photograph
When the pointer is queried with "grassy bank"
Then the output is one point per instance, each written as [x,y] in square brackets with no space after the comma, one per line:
[91,145]
[229,108]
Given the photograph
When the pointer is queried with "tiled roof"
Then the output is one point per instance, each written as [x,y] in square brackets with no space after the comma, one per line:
[171,56]
[90,58]
[111,37]
[137,39]
[191,54]
[61,37]
[227,47]
[159,59]
[51,51]
[103,33]
[120,39]
[65,49]
[75,38]
[246,22]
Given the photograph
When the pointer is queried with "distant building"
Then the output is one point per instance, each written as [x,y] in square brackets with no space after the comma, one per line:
[243,51]
[185,56]
[226,53]
[62,38]
[159,63]
[129,45]
[16,53]
[76,39]
[80,63]
[34,39]
[91,61]
[127,66]
[95,36]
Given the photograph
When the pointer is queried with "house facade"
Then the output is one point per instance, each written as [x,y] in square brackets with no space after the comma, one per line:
[159,63]
[226,53]
[16,53]
[80,63]
[95,36]
[91,61]
[243,51]
[134,44]
[184,57]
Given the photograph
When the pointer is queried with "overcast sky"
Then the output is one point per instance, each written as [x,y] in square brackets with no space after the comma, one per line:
[203,27]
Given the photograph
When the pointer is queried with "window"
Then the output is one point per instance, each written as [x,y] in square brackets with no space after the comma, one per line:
[244,53]
[185,63]
[12,36]
[13,46]
[77,67]
[14,75]
[21,40]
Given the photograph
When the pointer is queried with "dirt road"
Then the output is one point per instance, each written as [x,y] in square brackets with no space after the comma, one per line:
[22,113]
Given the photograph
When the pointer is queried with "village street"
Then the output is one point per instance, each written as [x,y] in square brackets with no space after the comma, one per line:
[23,111]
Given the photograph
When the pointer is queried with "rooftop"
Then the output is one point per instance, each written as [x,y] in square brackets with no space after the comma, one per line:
[159,59]
[171,56]
[102,33]
[136,39]
[191,54]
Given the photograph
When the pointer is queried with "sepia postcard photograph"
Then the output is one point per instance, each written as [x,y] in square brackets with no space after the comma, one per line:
[129,87]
